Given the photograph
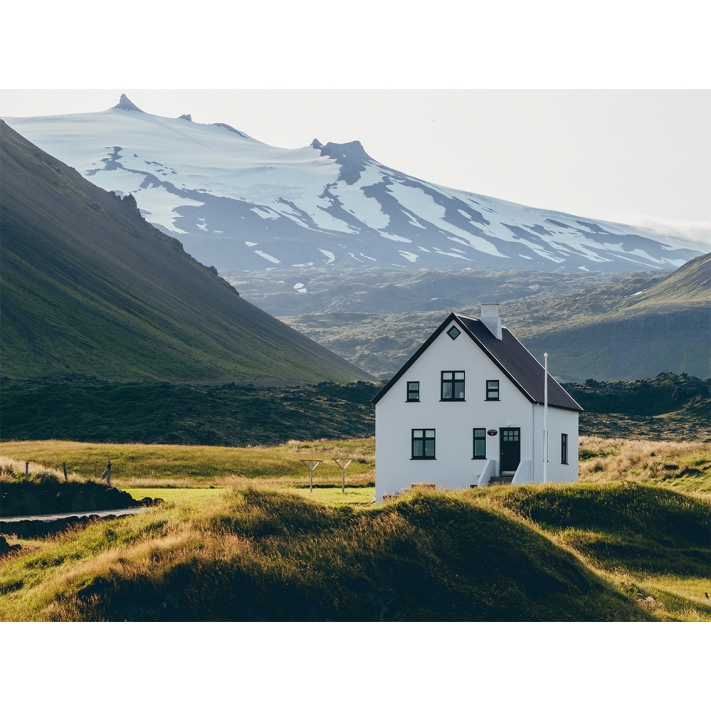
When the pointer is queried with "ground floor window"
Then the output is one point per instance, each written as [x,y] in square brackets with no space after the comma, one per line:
[564,449]
[423,444]
[479,443]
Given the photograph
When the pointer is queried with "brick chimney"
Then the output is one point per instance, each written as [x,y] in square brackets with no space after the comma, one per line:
[491,319]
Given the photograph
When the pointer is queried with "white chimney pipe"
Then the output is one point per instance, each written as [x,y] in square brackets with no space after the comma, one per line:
[491,319]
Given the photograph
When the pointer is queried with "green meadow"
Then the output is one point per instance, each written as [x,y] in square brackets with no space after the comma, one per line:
[240,537]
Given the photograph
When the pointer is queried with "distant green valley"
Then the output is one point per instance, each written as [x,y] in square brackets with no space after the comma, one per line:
[603,326]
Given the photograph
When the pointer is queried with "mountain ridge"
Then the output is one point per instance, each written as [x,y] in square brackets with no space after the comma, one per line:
[240,204]
[90,288]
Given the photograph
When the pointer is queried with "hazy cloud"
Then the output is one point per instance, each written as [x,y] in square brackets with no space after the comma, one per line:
[695,232]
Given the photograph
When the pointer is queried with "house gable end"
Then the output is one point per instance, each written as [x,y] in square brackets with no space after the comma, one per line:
[499,351]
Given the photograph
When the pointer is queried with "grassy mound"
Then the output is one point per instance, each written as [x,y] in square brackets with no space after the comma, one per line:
[642,528]
[524,553]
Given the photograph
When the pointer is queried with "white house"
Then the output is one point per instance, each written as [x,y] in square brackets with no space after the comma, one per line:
[468,409]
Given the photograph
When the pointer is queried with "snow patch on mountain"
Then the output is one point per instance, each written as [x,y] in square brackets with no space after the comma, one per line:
[223,193]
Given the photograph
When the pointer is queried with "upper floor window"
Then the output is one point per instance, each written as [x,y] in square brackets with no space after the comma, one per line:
[423,444]
[452,385]
[413,391]
[492,389]
[453,333]
[564,449]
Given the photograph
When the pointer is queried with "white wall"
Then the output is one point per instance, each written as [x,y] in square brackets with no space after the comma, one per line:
[454,467]
[559,421]
[395,418]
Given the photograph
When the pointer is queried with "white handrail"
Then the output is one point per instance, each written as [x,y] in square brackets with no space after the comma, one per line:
[488,471]
[523,473]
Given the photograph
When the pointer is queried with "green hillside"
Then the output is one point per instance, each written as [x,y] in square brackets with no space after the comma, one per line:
[665,328]
[88,287]
[688,284]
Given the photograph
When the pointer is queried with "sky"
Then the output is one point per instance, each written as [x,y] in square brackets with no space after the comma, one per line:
[602,111]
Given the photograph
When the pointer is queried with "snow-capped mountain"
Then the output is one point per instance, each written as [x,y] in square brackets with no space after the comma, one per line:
[237,203]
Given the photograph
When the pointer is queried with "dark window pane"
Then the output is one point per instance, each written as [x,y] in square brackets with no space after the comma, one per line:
[459,390]
[430,433]
[480,433]
[417,447]
[480,448]
[429,448]
[446,391]
[453,332]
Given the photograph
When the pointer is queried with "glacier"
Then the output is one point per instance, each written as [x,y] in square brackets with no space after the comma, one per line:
[237,203]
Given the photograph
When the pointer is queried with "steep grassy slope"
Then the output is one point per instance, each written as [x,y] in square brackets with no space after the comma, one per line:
[664,328]
[89,287]
[689,283]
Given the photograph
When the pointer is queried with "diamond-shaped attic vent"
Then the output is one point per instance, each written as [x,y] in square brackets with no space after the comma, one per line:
[453,332]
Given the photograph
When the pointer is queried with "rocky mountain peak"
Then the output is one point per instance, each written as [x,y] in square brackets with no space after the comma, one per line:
[125,104]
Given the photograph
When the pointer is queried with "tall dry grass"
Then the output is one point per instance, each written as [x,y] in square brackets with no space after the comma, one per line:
[686,465]
[15,469]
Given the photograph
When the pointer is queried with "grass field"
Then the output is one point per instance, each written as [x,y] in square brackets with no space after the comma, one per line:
[620,551]
[241,538]
[684,465]
[143,465]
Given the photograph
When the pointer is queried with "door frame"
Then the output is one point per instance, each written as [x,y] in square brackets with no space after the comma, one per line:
[501,447]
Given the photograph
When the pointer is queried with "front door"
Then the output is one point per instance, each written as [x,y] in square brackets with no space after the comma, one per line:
[510,439]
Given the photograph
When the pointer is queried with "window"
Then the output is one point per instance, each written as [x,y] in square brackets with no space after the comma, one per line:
[492,389]
[452,385]
[413,391]
[564,449]
[453,333]
[479,443]
[423,444]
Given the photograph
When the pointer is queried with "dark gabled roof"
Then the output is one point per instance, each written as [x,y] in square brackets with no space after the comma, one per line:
[511,357]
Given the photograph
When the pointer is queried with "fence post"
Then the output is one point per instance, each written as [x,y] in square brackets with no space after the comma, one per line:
[27,470]
[107,473]
[64,466]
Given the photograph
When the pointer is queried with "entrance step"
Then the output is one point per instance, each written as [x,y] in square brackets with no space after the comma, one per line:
[505,478]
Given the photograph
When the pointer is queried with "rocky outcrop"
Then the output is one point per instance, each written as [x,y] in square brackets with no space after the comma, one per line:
[28,498]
